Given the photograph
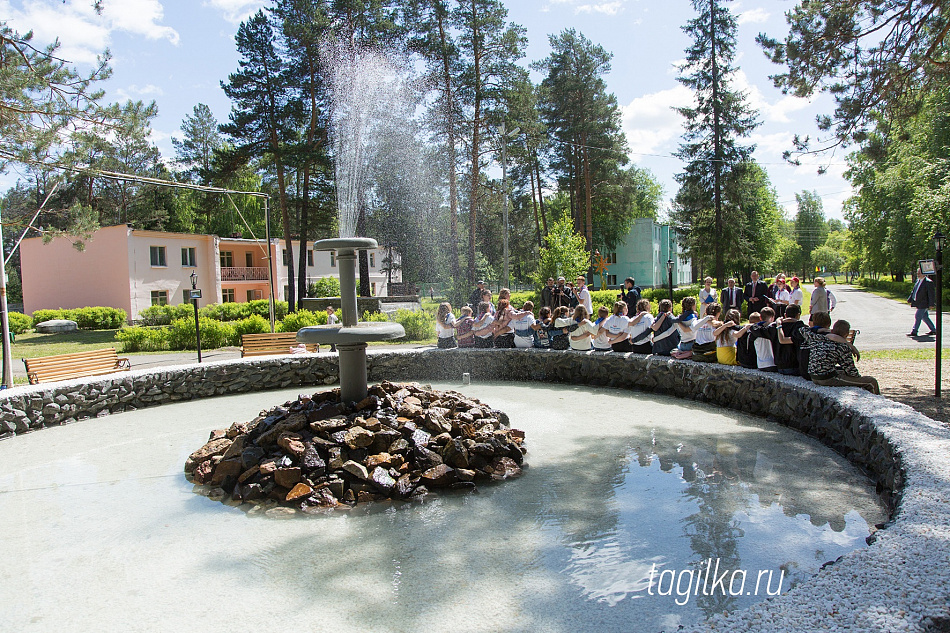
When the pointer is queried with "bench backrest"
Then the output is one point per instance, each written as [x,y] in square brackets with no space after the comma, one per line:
[276,343]
[45,368]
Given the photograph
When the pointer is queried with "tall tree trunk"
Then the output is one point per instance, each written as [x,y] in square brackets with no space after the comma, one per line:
[589,198]
[450,125]
[537,172]
[284,218]
[363,258]
[534,203]
[304,230]
[717,148]
[476,144]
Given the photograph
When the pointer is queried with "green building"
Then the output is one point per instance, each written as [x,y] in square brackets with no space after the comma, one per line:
[643,255]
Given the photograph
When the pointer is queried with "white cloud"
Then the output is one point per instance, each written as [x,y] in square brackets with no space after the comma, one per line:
[82,33]
[777,112]
[609,7]
[135,91]
[753,16]
[236,11]
[650,122]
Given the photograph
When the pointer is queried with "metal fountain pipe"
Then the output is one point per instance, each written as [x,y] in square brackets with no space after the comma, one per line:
[346,259]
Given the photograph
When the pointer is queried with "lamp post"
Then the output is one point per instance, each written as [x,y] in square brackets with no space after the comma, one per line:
[195,293]
[938,246]
[505,135]
[669,269]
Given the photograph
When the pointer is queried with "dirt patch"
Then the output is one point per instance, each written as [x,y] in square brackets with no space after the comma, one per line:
[912,382]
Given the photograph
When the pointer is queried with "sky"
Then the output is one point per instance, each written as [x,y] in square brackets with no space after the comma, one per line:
[177,52]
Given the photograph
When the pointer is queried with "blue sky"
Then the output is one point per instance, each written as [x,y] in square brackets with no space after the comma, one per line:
[177,52]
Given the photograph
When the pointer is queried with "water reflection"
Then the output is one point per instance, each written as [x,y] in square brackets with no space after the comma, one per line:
[569,547]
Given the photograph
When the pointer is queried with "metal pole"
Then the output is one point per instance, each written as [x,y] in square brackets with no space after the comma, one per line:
[504,185]
[939,312]
[4,317]
[669,268]
[270,263]
[194,302]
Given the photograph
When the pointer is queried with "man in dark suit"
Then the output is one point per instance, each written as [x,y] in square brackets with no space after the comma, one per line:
[476,296]
[731,297]
[922,297]
[756,294]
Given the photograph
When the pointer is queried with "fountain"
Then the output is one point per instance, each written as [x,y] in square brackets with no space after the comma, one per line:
[350,336]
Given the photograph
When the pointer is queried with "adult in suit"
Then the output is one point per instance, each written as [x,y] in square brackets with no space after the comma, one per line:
[547,294]
[756,294]
[922,297]
[731,296]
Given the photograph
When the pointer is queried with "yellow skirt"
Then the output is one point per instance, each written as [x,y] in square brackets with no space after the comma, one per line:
[726,355]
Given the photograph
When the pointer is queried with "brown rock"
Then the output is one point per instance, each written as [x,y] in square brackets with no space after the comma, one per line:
[217,434]
[440,475]
[411,411]
[399,446]
[202,473]
[330,425]
[298,491]
[372,424]
[358,437]
[237,446]
[413,401]
[505,468]
[224,469]
[287,477]
[356,469]
[464,474]
[383,480]
[404,486]
[247,474]
[365,497]
[209,450]
[381,459]
[268,467]
[291,443]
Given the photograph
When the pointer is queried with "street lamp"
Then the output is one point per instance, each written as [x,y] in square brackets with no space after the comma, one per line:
[938,245]
[195,295]
[669,269]
[505,135]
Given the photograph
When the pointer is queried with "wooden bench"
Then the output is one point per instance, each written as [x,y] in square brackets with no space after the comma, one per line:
[76,365]
[851,335]
[268,344]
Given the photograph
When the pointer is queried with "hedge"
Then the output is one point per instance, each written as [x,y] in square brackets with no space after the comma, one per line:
[93,318]
[19,323]
[903,288]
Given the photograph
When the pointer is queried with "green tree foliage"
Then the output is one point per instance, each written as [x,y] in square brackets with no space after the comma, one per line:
[811,230]
[263,116]
[565,252]
[488,48]
[590,147]
[713,126]
[873,56]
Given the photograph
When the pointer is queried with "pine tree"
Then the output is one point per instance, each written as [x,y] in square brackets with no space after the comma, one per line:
[714,125]
[488,48]
[262,116]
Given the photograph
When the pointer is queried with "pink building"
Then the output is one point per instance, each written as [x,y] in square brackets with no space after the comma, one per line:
[131,269]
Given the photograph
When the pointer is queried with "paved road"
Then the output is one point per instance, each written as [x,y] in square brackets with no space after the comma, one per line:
[883,322]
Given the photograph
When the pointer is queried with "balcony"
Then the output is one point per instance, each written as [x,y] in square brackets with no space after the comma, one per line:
[236,273]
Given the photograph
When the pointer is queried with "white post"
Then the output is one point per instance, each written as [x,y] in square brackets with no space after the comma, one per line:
[7,352]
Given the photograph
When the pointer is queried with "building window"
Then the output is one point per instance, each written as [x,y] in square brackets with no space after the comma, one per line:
[310,258]
[611,280]
[157,256]
[160,297]
[227,295]
[611,258]
[253,295]
[332,259]
[189,257]
[372,260]
[249,260]
[227,259]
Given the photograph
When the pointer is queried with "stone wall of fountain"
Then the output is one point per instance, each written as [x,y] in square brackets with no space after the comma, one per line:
[902,450]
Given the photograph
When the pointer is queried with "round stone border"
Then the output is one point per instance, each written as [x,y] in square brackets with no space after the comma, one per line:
[899,583]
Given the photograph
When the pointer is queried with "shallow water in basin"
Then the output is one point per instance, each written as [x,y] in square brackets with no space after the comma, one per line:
[626,497]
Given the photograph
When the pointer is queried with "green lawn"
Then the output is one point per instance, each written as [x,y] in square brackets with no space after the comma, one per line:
[887,294]
[32,345]
[923,353]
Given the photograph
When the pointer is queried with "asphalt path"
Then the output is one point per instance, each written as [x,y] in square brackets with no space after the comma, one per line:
[884,323]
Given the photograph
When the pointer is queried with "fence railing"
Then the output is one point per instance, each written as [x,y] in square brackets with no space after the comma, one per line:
[244,274]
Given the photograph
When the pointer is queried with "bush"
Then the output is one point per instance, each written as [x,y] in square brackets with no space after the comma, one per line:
[324,287]
[92,318]
[143,339]
[903,288]
[419,326]
[254,324]
[19,323]
[214,334]
[262,307]
[227,311]
[301,318]
[371,317]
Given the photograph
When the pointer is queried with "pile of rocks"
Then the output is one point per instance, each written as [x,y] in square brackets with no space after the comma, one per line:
[398,443]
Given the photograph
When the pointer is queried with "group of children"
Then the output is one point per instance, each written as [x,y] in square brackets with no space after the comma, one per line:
[786,345]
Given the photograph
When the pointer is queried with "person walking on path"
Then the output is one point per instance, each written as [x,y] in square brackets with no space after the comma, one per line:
[922,297]
[822,299]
